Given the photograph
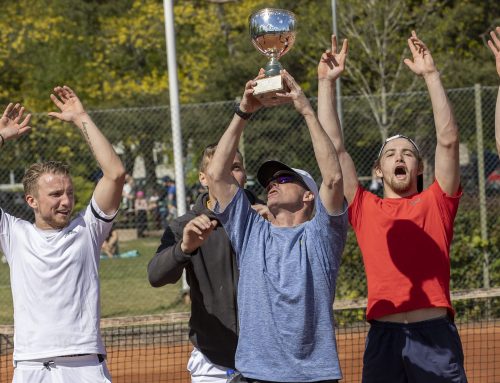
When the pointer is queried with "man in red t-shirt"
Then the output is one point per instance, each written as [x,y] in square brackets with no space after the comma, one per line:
[404,237]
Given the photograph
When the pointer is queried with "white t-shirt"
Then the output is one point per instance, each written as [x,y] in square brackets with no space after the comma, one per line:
[55,284]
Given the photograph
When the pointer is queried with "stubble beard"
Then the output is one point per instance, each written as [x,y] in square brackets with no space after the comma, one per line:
[400,186]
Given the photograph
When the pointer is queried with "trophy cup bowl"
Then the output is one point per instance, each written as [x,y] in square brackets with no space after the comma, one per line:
[273,34]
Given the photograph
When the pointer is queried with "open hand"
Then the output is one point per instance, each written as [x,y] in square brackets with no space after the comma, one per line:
[422,64]
[300,101]
[68,103]
[10,125]
[494,45]
[332,63]
[196,232]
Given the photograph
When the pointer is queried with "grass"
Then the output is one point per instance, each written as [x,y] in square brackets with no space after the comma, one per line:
[125,290]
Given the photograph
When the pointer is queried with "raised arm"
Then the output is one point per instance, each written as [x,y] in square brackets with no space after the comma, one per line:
[11,126]
[331,65]
[331,190]
[222,182]
[447,170]
[494,45]
[167,265]
[109,188]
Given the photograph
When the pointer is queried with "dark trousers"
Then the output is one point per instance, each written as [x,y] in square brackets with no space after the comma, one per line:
[422,352]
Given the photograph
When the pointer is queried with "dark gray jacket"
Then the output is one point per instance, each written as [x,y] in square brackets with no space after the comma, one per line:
[212,274]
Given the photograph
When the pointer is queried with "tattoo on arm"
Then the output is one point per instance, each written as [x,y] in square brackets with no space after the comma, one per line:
[87,138]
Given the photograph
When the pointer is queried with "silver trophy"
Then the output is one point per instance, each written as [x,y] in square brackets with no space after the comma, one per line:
[273,33]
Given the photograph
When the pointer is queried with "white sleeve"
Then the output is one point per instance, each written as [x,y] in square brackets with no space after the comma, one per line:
[7,222]
[99,222]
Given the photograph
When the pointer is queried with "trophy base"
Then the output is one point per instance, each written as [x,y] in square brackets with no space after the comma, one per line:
[266,89]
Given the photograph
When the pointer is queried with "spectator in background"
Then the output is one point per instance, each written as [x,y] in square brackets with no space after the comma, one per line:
[109,247]
[141,213]
[154,208]
[494,45]
[128,199]
[170,193]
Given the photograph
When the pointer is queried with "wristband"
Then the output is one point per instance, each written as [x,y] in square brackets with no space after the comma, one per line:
[241,113]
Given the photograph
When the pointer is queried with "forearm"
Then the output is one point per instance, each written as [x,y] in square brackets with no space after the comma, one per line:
[446,127]
[101,148]
[329,119]
[324,150]
[327,113]
[167,266]
[446,159]
[226,148]
[331,190]
[222,184]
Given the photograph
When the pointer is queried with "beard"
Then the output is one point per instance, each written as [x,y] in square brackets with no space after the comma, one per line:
[399,186]
[58,222]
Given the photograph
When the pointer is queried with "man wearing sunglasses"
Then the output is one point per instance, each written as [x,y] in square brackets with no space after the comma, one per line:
[288,268]
[404,237]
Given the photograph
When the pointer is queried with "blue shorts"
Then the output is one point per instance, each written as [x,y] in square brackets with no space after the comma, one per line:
[423,352]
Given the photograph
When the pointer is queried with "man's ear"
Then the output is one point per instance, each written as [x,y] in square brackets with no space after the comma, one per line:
[308,196]
[203,179]
[378,172]
[420,167]
[31,201]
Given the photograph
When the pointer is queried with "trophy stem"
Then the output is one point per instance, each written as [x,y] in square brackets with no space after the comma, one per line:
[273,67]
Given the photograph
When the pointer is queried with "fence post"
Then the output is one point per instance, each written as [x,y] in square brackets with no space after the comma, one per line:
[481,183]
[168,10]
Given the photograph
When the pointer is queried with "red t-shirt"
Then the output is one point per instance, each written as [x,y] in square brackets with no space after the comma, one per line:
[405,244]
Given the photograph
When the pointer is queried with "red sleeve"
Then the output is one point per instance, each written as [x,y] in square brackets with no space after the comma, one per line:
[448,205]
[355,208]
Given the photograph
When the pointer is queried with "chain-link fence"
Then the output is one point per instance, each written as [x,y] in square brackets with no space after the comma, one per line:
[142,137]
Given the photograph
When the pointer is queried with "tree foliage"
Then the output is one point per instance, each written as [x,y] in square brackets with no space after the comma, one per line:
[114,55]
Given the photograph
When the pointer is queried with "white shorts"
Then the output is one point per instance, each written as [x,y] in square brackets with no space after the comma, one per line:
[81,369]
[204,371]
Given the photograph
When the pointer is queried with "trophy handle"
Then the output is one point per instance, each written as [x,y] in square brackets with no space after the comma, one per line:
[273,67]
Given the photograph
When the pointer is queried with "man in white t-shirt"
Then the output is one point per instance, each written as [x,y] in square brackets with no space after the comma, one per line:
[54,262]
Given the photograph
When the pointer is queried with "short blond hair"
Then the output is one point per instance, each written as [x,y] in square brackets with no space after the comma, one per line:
[35,171]
[208,154]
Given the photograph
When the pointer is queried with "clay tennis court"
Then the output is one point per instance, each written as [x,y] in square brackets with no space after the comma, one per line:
[131,361]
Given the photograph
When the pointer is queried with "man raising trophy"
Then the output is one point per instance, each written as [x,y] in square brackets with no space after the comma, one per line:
[288,267]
